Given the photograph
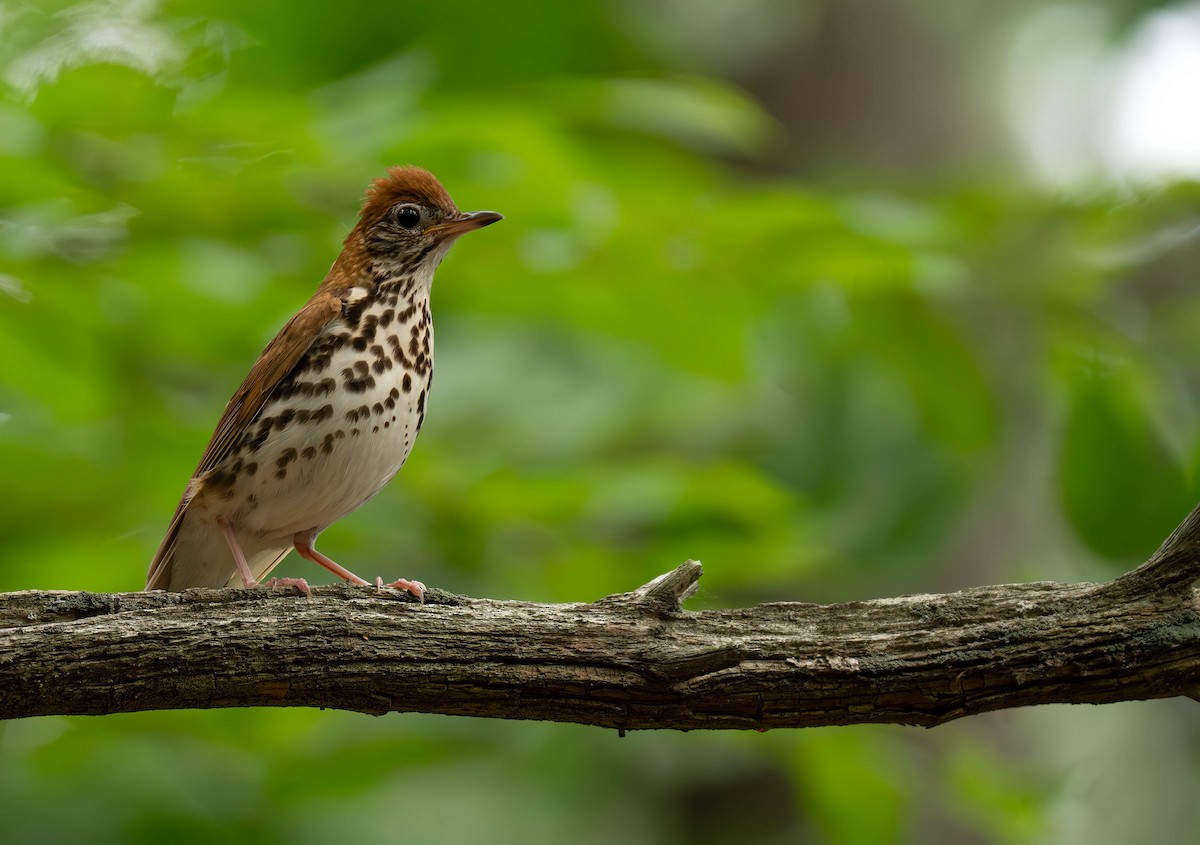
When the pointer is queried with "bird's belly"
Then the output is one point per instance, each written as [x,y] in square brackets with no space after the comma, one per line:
[316,476]
[318,454]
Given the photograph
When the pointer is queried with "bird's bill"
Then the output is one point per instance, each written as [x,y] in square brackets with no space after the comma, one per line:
[465,223]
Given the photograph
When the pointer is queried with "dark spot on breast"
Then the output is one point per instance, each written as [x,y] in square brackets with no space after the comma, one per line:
[325,386]
[352,311]
[309,453]
[316,365]
[325,412]
[259,439]
[368,326]
[385,319]
[421,403]
[360,383]
[281,464]
[250,468]
[220,480]
[377,408]
[318,357]
[327,444]
[285,457]
[406,383]
[360,343]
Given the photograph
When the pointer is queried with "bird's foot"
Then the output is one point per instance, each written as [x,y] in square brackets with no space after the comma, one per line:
[299,583]
[416,588]
[304,545]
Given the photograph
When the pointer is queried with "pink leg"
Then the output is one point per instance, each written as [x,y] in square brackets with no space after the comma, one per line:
[239,557]
[304,545]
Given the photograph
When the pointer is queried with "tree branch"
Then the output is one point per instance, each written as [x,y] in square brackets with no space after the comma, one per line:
[628,661]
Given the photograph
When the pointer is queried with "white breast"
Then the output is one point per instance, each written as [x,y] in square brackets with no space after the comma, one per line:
[338,433]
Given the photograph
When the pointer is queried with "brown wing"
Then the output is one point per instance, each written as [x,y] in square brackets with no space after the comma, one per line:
[276,361]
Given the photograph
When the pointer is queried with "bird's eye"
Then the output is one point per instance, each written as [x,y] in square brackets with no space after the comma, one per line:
[406,216]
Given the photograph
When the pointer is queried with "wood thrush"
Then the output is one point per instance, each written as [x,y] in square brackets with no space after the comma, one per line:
[330,410]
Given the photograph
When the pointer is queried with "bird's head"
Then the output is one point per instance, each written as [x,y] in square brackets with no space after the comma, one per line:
[408,222]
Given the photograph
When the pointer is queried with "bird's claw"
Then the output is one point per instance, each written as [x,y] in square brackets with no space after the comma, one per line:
[415,588]
[298,583]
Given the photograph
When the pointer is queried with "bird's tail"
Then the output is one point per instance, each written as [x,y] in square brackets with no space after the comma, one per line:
[194,554]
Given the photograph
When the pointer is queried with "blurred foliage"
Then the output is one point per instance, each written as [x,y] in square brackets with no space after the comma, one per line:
[860,382]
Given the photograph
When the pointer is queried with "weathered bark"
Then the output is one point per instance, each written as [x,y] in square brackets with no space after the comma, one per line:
[628,661]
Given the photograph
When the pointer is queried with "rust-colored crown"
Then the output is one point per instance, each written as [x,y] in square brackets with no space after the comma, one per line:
[404,184]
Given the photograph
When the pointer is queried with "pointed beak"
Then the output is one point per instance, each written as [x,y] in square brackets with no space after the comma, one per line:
[464,223]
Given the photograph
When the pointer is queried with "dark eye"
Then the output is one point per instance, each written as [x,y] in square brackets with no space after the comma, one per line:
[406,216]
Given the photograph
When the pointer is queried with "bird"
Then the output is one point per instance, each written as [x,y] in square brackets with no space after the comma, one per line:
[330,410]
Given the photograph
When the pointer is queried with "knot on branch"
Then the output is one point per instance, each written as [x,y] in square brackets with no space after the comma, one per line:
[1175,567]
[666,593]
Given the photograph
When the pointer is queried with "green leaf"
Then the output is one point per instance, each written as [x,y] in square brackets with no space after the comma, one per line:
[1122,489]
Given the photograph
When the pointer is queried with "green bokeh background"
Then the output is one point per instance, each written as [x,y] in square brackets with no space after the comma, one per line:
[773,291]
